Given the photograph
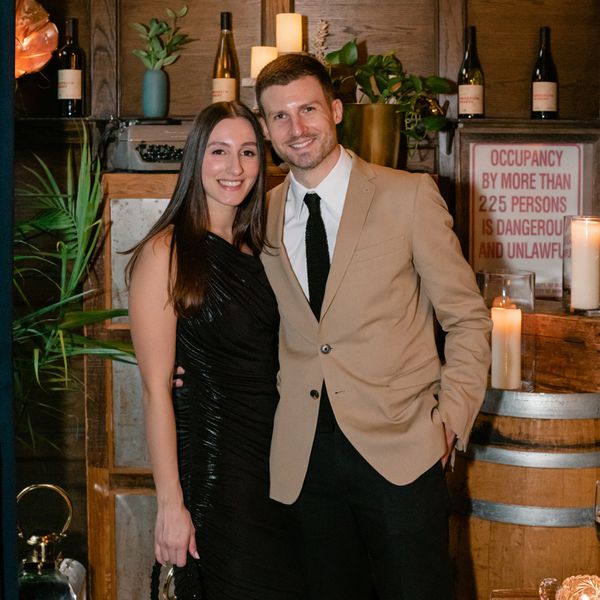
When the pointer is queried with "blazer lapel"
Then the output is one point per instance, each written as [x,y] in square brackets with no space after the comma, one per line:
[290,296]
[359,196]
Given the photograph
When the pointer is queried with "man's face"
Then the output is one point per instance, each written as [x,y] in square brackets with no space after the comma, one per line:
[300,122]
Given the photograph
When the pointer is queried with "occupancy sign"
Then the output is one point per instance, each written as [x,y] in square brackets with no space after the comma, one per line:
[519,196]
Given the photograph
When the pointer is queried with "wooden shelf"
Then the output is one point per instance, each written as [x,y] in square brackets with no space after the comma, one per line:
[566,346]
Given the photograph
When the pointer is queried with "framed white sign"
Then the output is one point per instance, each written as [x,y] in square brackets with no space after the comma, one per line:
[515,185]
[519,196]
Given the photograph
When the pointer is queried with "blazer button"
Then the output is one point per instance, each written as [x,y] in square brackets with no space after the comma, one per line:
[325,348]
[314,394]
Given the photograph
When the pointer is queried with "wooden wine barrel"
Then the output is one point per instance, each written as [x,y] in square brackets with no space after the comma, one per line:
[523,493]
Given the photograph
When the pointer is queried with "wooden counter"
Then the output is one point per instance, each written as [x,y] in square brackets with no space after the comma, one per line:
[161,185]
[567,348]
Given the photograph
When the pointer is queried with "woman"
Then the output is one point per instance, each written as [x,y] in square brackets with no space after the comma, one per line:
[198,296]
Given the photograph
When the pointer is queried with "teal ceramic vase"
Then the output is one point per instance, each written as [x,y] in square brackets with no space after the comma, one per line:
[155,94]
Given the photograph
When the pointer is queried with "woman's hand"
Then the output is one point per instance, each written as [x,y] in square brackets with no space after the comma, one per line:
[174,535]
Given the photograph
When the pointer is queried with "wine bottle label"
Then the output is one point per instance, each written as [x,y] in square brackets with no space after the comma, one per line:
[470,99]
[69,84]
[544,97]
[223,89]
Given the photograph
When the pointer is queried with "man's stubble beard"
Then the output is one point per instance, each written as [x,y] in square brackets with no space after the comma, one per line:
[329,144]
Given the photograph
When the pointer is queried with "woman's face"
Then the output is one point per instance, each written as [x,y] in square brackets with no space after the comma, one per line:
[231,164]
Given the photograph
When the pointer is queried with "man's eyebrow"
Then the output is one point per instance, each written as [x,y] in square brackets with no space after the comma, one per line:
[299,106]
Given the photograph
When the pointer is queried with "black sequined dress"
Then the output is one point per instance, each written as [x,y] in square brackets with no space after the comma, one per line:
[224,414]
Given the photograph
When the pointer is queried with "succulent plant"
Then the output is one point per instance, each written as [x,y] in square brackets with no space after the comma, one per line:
[164,41]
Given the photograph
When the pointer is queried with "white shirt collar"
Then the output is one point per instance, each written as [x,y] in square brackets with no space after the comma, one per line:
[332,189]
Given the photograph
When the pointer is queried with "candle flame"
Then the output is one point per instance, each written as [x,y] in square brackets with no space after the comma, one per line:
[503,302]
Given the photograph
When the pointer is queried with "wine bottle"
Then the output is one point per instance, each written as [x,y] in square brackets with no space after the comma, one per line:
[71,73]
[470,80]
[226,72]
[544,81]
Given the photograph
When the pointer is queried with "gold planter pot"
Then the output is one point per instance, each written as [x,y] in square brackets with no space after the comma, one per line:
[373,132]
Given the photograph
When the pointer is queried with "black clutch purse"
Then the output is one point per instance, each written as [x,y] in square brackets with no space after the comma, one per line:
[181,583]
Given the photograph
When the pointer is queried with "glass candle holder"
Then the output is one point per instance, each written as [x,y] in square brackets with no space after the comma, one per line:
[508,294]
[581,264]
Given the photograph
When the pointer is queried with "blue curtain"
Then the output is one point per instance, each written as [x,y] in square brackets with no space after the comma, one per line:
[8,550]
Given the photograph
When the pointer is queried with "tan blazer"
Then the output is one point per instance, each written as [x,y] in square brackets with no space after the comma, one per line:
[396,259]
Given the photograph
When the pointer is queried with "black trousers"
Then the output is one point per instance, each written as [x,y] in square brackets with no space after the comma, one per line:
[365,537]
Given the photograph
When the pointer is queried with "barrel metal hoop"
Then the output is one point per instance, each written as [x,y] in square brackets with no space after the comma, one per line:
[537,516]
[538,460]
[541,406]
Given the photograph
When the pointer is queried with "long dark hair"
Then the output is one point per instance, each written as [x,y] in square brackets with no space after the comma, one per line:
[188,216]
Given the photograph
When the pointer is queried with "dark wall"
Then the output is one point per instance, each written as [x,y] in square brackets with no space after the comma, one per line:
[508,42]
[507,38]
[8,559]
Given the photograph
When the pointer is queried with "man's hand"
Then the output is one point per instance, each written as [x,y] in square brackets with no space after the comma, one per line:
[450,441]
[177,381]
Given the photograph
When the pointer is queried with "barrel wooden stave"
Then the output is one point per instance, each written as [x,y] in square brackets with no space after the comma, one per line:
[491,555]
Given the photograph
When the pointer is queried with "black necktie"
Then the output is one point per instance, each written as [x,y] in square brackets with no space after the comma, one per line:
[317,253]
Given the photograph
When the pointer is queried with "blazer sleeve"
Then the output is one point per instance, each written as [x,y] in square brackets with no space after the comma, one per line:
[449,282]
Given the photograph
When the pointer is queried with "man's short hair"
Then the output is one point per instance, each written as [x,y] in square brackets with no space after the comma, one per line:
[291,67]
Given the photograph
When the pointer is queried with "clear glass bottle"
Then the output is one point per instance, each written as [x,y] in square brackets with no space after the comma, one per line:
[226,70]
[470,80]
[544,81]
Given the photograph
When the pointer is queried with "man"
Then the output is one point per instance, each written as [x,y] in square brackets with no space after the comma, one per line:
[362,257]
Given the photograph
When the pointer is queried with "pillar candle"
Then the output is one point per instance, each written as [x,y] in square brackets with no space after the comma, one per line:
[259,57]
[585,263]
[506,348]
[288,32]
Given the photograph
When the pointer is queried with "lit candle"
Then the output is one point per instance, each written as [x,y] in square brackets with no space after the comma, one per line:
[585,263]
[288,32]
[506,348]
[259,57]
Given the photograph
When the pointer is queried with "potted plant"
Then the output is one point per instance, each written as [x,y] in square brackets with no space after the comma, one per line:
[382,98]
[54,250]
[163,46]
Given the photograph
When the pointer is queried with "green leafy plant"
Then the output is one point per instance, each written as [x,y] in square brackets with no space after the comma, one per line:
[56,248]
[164,41]
[382,79]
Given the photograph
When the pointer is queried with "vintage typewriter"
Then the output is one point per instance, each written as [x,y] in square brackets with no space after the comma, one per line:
[144,145]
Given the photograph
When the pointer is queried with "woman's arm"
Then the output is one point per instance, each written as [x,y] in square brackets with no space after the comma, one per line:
[153,328]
